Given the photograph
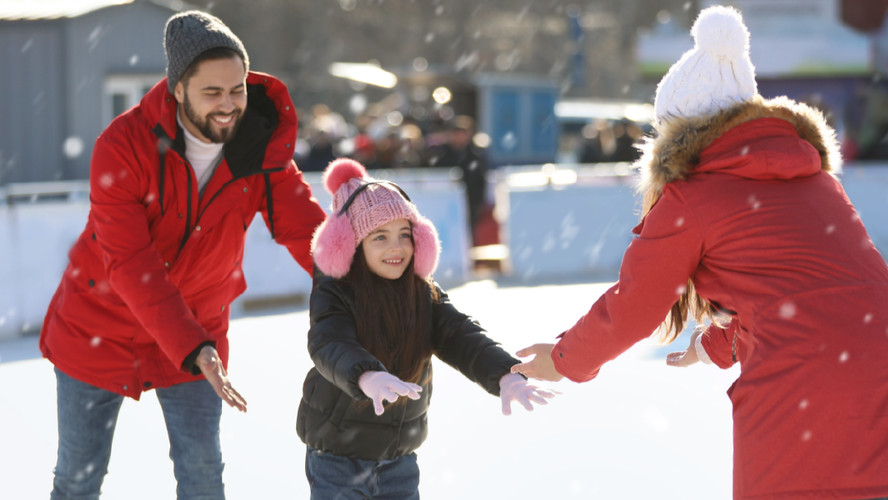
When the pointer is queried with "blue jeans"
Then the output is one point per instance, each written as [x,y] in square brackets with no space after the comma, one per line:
[87,417]
[333,477]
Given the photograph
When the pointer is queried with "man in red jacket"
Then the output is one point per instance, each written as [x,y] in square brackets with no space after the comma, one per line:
[144,303]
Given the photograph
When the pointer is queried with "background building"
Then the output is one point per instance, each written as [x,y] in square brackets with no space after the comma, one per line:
[69,68]
[73,65]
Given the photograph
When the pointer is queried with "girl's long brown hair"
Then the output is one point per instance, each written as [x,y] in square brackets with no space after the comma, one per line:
[393,318]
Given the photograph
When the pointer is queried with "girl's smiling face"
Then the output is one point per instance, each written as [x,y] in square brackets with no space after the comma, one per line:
[389,248]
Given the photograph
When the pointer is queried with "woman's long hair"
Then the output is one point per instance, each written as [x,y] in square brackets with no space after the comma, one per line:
[690,304]
[393,318]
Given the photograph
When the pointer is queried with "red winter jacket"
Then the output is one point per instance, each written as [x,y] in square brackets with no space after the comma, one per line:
[151,277]
[750,214]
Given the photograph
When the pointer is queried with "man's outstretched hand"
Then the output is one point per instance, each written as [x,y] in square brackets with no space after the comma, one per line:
[209,363]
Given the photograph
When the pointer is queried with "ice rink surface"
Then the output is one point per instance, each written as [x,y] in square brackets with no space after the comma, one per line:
[640,430]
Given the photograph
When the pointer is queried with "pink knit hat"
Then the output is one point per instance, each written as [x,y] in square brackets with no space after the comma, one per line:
[369,204]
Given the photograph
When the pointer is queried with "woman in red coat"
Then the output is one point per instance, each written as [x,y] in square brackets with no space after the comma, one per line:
[744,223]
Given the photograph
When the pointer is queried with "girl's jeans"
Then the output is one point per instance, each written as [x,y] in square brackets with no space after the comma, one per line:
[333,477]
[87,417]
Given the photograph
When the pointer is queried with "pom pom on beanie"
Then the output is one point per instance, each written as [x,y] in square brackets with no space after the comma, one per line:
[341,171]
[715,75]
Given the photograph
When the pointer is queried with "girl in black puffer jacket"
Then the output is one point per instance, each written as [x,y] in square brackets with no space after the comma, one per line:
[377,318]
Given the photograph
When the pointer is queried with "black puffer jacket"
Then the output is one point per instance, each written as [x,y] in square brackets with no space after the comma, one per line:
[336,417]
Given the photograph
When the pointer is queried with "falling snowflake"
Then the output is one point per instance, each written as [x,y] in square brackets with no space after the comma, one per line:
[95,341]
[803,404]
[466,61]
[868,318]
[569,230]
[788,310]
[755,203]
[549,243]
[679,222]
[843,357]
[358,103]
[806,436]
[830,229]
[509,141]
[72,147]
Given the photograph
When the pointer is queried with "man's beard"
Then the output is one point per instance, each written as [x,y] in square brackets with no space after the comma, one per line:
[205,124]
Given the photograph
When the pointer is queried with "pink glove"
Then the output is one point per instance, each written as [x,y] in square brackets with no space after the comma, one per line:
[383,386]
[514,387]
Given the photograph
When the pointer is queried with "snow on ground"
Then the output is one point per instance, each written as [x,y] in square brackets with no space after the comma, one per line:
[640,430]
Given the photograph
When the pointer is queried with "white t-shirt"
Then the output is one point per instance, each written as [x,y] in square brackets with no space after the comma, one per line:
[203,156]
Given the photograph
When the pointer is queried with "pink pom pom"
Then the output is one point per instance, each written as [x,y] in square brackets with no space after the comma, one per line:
[341,171]
[333,246]
[427,247]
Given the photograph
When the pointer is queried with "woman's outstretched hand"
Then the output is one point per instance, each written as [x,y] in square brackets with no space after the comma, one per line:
[541,366]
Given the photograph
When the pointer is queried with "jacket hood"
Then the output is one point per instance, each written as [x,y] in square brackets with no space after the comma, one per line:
[270,118]
[763,139]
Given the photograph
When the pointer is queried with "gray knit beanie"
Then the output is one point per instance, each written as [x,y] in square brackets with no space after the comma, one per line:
[191,33]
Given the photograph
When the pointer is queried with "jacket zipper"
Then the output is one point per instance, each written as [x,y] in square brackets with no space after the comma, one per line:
[188,211]
[188,227]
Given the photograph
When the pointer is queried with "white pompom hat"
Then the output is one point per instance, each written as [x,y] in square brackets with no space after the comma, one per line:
[715,75]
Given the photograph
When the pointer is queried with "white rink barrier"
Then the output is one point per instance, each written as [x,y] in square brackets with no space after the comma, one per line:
[39,222]
[574,221]
[557,223]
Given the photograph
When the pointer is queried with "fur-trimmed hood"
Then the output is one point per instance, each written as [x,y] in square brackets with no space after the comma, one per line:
[727,141]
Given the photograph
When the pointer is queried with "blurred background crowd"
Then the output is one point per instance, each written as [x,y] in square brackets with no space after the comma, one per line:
[394,82]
